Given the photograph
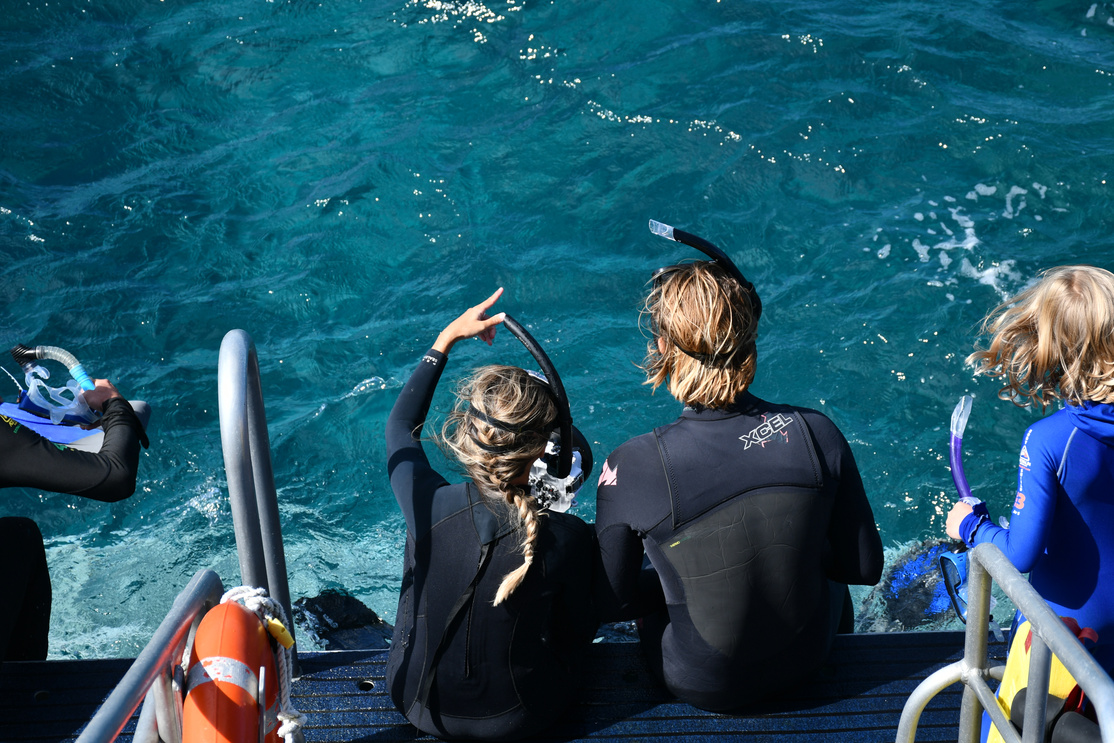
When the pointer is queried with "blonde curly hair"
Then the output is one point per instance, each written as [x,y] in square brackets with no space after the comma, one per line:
[499,425]
[707,327]
[1055,340]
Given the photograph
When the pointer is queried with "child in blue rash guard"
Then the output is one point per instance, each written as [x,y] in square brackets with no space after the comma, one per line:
[496,605]
[1054,341]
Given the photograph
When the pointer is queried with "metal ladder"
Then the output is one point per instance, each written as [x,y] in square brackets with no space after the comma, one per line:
[156,677]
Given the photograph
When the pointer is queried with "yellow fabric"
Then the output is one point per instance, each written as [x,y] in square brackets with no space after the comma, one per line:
[1016,678]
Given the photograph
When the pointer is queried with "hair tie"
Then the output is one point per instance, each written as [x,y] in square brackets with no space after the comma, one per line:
[527,427]
[493,422]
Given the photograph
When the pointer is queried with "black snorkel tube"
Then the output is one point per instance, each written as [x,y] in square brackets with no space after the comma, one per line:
[717,255]
[564,415]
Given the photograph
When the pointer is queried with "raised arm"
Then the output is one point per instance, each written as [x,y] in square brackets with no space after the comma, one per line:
[407,464]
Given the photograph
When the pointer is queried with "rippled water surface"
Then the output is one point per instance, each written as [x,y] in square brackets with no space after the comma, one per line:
[341,178]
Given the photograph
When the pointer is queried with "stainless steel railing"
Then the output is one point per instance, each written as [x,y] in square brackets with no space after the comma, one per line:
[155,677]
[152,675]
[1050,635]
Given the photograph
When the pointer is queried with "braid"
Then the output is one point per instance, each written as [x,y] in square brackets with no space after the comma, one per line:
[528,513]
[498,427]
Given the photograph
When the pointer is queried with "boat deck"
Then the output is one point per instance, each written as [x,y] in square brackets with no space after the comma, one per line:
[857,696]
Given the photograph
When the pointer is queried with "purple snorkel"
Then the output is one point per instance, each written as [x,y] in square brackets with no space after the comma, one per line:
[959,423]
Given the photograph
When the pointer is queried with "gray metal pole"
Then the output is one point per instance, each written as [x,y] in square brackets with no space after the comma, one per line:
[1050,636]
[202,592]
[266,497]
[248,468]
[974,648]
[1045,624]
[236,354]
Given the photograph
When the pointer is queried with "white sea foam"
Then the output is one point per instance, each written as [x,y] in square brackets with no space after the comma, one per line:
[1010,212]
[993,275]
[368,385]
[922,250]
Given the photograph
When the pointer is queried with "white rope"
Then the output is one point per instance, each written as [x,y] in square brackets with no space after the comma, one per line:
[256,600]
[17,384]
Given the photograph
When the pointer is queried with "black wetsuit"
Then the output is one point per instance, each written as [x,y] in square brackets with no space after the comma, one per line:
[28,460]
[754,519]
[496,672]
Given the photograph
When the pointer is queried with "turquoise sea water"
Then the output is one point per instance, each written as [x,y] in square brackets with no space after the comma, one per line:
[341,178]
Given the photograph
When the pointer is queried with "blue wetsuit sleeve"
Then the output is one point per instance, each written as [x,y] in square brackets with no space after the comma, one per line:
[856,546]
[29,460]
[407,464]
[1033,507]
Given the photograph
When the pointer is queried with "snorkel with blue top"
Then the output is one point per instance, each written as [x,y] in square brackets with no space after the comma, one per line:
[559,473]
[953,565]
[51,402]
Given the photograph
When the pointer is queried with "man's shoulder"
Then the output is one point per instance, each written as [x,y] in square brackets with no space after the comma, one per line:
[814,418]
[634,447]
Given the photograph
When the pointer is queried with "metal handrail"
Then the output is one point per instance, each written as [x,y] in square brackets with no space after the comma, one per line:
[153,669]
[247,464]
[1050,635]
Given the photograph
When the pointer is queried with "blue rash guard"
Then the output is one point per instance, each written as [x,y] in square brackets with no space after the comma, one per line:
[1061,529]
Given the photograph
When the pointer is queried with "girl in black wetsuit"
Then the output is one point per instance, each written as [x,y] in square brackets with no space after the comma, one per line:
[495,608]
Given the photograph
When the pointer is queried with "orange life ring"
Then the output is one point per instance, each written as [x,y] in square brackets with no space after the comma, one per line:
[230,648]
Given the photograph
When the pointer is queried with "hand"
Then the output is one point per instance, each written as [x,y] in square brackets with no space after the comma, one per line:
[473,323]
[99,395]
[955,518]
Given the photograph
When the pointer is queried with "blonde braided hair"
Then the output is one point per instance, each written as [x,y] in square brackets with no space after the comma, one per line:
[496,455]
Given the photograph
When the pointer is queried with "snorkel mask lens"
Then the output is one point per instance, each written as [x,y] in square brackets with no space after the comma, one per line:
[658,277]
[550,491]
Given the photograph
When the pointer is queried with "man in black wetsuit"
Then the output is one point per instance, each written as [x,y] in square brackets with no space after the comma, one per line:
[31,461]
[752,514]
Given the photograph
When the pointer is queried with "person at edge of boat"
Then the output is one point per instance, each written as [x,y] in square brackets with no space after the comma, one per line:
[1055,341]
[752,515]
[28,460]
[496,608]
